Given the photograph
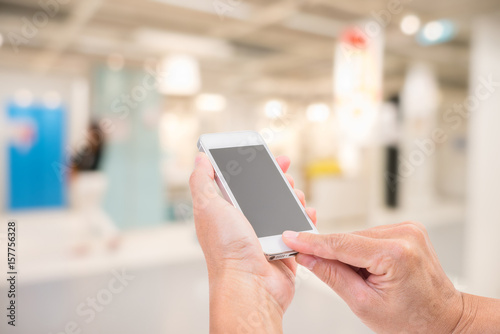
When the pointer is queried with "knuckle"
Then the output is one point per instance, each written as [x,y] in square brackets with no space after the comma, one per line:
[385,262]
[335,241]
[404,250]
[417,225]
[331,275]
[415,231]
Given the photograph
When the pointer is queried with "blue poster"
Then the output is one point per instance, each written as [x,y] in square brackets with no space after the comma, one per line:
[36,144]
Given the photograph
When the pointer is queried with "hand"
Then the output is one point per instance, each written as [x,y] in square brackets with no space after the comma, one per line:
[389,276]
[240,276]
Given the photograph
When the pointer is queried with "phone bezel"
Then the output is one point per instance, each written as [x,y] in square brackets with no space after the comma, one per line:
[273,246]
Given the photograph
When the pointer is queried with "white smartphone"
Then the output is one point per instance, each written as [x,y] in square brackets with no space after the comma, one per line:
[250,178]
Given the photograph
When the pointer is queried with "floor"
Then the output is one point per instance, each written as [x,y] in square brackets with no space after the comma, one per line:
[169,291]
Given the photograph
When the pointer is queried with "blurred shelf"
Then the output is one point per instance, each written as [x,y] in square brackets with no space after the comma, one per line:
[441,213]
[46,243]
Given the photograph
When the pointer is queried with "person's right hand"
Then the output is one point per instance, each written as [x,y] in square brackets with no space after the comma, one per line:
[389,276]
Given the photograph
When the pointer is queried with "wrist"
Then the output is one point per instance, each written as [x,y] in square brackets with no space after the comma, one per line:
[442,314]
[239,301]
[480,315]
[468,315]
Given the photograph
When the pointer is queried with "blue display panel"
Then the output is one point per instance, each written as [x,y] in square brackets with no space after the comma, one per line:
[36,143]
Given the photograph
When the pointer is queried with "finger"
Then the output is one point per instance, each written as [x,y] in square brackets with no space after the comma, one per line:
[290,263]
[380,232]
[349,285]
[301,196]
[311,212]
[202,184]
[284,162]
[351,249]
[290,180]
[391,231]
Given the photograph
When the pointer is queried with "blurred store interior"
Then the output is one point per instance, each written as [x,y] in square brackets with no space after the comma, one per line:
[388,110]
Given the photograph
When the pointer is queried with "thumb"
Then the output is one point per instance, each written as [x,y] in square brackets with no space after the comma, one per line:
[201,182]
[351,287]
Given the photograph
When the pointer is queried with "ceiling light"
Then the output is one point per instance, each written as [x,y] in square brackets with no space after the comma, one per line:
[210,102]
[274,109]
[318,112]
[433,31]
[436,32]
[410,24]
[180,75]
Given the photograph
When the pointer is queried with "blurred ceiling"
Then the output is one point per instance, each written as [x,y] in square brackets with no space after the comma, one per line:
[246,47]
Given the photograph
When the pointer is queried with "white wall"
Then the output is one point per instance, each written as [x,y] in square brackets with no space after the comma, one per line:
[483,198]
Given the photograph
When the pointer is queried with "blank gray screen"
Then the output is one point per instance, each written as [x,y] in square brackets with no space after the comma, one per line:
[259,189]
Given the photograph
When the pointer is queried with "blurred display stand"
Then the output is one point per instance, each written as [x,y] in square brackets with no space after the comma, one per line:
[417,177]
[131,160]
[336,197]
[154,246]
[86,194]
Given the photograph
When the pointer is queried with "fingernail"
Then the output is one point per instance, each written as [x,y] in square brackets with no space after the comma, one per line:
[308,261]
[290,234]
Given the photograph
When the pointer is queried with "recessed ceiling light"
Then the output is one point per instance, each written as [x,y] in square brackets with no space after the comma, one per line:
[180,75]
[318,112]
[210,102]
[433,31]
[410,24]
[439,31]
[274,109]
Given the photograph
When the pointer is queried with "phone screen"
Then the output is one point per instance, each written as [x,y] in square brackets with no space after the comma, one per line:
[259,189]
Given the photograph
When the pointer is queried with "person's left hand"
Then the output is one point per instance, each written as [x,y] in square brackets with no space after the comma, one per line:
[231,247]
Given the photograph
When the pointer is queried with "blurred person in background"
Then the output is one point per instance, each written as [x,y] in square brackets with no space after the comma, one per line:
[88,157]
[389,276]
[88,186]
